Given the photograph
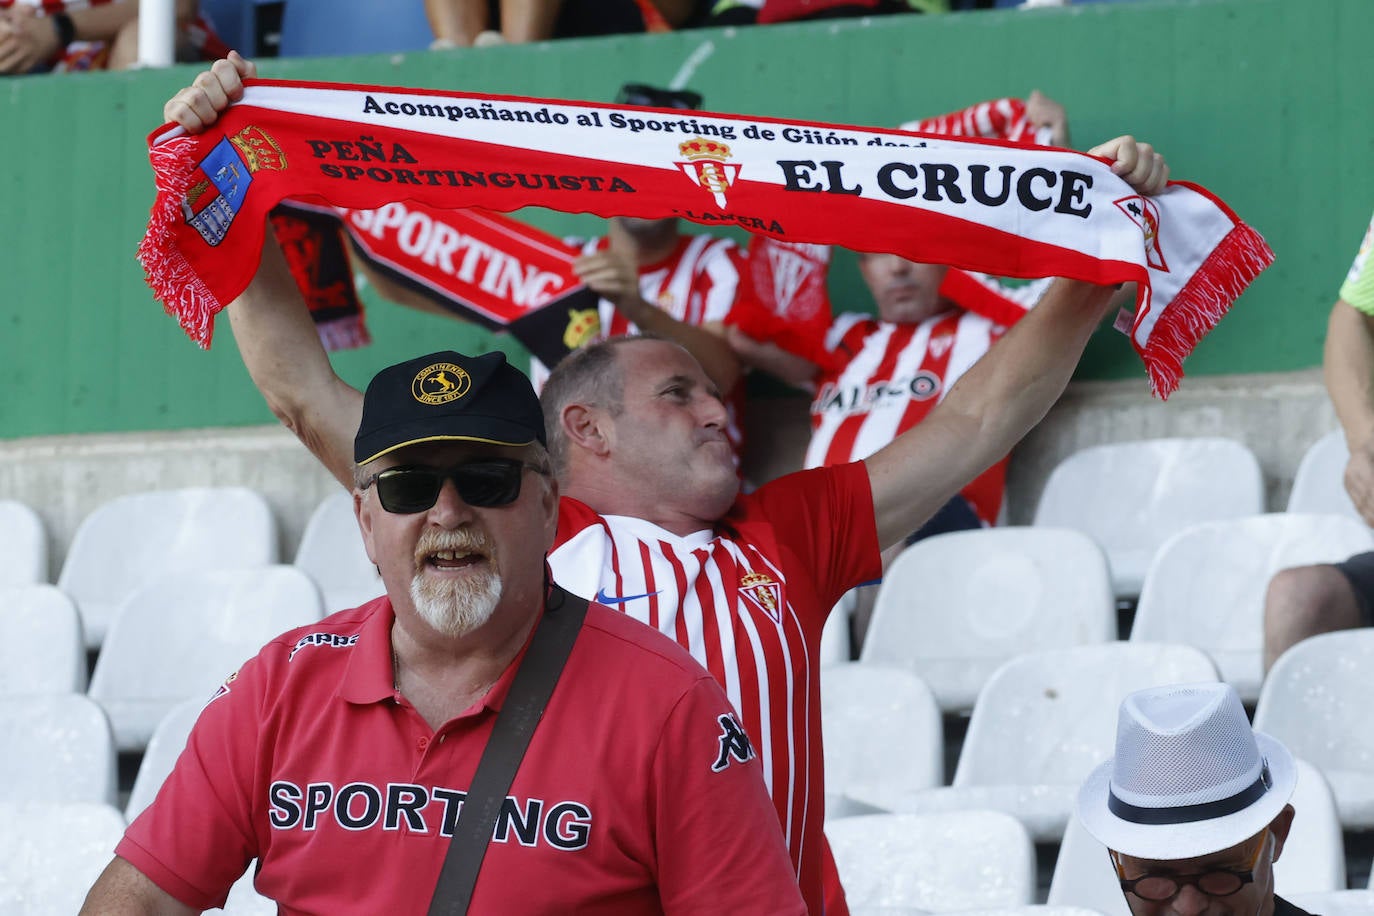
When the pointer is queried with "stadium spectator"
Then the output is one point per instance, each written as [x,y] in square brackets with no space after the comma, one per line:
[1194,806]
[881,375]
[748,12]
[338,758]
[651,521]
[459,23]
[1307,600]
[92,35]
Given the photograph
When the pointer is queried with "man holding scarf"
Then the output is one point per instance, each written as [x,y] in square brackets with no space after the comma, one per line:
[651,521]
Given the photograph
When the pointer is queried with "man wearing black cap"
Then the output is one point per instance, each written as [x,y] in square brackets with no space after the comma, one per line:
[651,520]
[341,756]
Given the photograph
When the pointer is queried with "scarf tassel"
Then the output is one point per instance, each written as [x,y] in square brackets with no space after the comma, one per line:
[174,282]
[1235,262]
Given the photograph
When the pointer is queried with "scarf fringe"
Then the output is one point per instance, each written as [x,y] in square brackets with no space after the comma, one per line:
[348,333]
[173,281]
[1235,262]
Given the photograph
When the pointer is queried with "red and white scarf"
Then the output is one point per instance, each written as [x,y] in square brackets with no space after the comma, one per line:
[974,204]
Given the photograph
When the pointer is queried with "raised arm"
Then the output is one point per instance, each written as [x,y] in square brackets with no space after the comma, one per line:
[612,275]
[122,890]
[1005,393]
[1348,367]
[272,326]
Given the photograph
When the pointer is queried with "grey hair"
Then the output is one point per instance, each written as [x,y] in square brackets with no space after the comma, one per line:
[591,376]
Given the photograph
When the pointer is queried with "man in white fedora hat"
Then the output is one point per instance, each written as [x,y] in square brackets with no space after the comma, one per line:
[1194,806]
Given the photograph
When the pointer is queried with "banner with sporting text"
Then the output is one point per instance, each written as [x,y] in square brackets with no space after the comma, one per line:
[975,204]
[481,266]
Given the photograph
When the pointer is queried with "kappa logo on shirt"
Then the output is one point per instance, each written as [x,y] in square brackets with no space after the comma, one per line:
[333,640]
[734,743]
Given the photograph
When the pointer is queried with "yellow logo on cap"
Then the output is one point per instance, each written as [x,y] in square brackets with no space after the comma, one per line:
[440,383]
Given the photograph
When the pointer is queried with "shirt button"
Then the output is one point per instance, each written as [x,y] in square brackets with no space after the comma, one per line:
[422,744]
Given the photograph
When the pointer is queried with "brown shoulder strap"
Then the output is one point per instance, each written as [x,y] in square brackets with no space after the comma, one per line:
[510,736]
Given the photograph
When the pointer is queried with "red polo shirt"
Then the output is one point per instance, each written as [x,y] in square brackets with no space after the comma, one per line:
[638,793]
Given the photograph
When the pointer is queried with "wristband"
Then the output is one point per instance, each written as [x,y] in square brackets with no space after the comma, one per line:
[66,29]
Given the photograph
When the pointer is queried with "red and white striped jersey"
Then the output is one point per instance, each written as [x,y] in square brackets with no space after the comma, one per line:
[890,378]
[748,599]
[696,284]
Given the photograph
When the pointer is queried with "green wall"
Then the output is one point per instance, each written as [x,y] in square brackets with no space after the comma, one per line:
[1266,102]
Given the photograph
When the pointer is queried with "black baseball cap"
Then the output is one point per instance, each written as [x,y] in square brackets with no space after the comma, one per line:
[448,396]
[654,97]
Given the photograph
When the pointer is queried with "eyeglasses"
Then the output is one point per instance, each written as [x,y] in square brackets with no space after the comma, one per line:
[415,488]
[1220,882]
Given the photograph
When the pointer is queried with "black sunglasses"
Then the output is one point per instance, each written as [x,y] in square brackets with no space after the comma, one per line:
[490,482]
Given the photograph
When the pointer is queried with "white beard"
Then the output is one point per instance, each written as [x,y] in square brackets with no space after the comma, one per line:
[455,608]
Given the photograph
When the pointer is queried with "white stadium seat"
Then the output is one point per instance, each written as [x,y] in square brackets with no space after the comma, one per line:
[938,862]
[1041,724]
[1131,497]
[1319,482]
[332,553]
[1317,701]
[41,647]
[954,607]
[52,852]
[23,545]
[178,637]
[58,748]
[164,747]
[882,729]
[1207,584]
[130,540]
[1335,903]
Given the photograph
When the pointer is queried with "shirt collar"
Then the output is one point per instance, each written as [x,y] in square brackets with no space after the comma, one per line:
[371,674]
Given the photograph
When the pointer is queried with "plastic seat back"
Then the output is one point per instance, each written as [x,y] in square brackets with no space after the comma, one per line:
[1319,482]
[934,862]
[180,636]
[1206,586]
[1316,700]
[23,545]
[164,747]
[1131,497]
[41,647]
[1084,876]
[316,28]
[955,606]
[1314,856]
[882,726]
[1048,718]
[1335,903]
[332,553]
[58,748]
[52,852]
[131,540]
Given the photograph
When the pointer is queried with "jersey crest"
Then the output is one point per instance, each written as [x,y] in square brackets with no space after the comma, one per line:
[764,592]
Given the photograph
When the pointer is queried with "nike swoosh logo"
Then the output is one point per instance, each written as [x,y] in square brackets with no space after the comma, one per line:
[603,598]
